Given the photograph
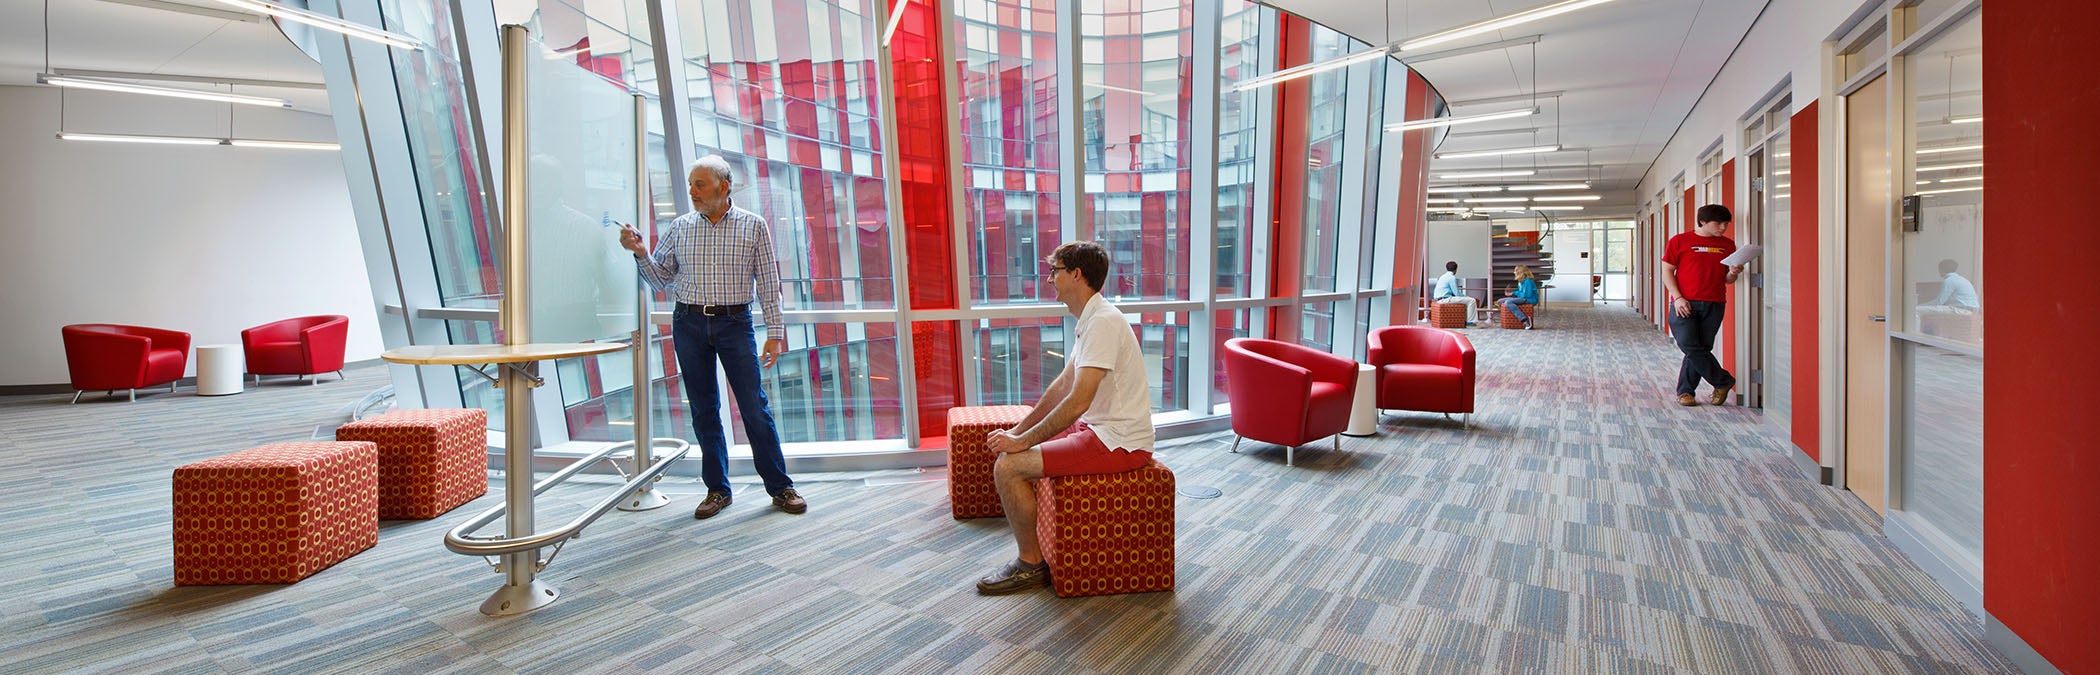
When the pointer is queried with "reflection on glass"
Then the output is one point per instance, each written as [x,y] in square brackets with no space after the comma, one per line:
[1009,145]
[1164,338]
[1779,287]
[1228,324]
[835,382]
[1134,111]
[1316,326]
[1943,259]
[1242,50]
[1018,358]
[786,94]
[1323,169]
[1943,463]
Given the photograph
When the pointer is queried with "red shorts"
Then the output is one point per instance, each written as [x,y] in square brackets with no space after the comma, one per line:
[1082,453]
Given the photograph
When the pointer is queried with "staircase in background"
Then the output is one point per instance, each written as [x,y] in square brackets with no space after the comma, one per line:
[1511,249]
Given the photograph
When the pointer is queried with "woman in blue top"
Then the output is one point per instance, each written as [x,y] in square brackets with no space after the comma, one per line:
[1527,293]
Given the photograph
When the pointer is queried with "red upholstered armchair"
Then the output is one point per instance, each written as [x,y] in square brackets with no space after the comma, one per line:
[1287,394]
[111,357]
[308,345]
[1423,368]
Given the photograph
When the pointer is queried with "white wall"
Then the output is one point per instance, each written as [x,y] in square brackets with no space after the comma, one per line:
[204,239]
[1469,242]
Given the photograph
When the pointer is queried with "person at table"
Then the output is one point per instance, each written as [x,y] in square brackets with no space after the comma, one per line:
[1103,387]
[1526,293]
[715,261]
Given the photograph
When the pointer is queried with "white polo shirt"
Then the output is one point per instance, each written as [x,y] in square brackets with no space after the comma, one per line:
[1121,412]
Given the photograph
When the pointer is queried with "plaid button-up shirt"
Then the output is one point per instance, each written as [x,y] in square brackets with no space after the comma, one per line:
[721,263]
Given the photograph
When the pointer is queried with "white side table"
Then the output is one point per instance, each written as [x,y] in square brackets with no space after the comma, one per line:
[219,369]
[1363,414]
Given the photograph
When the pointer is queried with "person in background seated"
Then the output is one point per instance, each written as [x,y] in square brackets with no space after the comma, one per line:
[1957,295]
[1526,293]
[1102,387]
[1449,290]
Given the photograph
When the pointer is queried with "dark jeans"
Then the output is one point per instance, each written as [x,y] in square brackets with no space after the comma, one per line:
[699,340]
[1695,336]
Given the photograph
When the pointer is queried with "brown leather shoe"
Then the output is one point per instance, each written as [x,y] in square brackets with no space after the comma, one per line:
[1015,577]
[711,505]
[1687,399]
[1721,395]
[790,502]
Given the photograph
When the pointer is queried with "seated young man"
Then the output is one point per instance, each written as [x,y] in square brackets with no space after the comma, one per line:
[1451,290]
[1102,386]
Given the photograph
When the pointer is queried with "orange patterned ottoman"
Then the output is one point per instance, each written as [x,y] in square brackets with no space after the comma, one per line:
[274,514]
[971,493]
[1510,320]
[1108,533]
[429,460]
[1447,315]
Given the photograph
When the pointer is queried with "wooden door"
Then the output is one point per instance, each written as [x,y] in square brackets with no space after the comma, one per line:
[1867,208]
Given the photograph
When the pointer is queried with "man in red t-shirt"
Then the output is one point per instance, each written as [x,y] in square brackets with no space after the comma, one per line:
[1698,285]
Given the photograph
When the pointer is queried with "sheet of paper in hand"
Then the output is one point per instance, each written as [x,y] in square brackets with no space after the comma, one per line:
[1744,255]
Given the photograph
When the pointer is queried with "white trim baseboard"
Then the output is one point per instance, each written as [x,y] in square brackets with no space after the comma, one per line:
[1808,467]
[1908,533]
[2016,649]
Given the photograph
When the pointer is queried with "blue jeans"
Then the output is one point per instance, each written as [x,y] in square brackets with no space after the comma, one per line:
[1510,305]
[1695,337]
[699,340]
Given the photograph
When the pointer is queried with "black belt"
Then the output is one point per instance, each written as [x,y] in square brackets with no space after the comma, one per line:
[714,310]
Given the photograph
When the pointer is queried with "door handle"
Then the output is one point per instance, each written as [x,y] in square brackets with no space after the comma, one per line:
[1877,318]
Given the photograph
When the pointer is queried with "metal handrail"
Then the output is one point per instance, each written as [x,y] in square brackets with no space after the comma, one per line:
[461,540]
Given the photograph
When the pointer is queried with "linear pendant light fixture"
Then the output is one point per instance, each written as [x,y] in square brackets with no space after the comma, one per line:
[1550,186]
[171,92]
[1434,122]
[1459,33]
[1491,153]
[1463,175]
[196,140]
[1492,25]
[1296,72]
[329,23]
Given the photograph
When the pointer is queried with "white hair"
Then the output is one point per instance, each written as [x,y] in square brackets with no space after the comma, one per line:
[714,164]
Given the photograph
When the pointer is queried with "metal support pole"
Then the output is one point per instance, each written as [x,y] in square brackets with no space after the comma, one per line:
[521,592]
[646,498]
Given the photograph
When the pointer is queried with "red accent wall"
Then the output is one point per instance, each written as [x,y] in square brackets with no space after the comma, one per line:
[1292,109]
[1728,319]
[922,158]
[1804,259]
[2041,512]
[1409,227]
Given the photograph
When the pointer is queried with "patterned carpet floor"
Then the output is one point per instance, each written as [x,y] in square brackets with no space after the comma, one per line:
[1584,523]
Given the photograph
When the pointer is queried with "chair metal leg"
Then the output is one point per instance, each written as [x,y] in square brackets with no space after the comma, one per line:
[1337,442]
[1287,451]
[316,379]
[76,395]
[339,376]
[1235,445]
[171,387]
[134,395]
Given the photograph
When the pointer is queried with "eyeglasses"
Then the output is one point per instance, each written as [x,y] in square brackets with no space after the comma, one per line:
[1054,269]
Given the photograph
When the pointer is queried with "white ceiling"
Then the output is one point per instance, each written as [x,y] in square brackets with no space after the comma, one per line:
[1628,71]
[101,35]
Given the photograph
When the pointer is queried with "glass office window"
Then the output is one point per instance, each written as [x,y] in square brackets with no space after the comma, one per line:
[1325,121]
[1943,275]
[1941,291]
[1244,48]
[1008,63]
[1019,358]
[1134,110]
[1226,325]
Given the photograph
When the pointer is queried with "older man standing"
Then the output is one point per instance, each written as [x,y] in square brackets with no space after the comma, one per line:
[713,261]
